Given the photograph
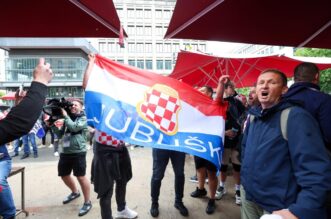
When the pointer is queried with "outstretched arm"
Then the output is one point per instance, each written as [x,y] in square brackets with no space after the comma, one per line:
[88,69]
[22,117]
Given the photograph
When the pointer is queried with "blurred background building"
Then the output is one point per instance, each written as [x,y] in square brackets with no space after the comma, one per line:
[146,22]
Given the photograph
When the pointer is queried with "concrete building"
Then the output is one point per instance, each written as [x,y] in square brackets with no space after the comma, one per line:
[146,22]
[249,49]
[67,56]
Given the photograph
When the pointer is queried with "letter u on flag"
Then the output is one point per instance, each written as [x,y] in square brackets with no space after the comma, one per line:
[147,109]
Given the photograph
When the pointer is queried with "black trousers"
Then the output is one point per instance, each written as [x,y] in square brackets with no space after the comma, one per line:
[105,200]
[160,161]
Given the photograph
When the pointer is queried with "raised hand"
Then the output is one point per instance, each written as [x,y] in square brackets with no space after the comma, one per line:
[43,72]
[224,79]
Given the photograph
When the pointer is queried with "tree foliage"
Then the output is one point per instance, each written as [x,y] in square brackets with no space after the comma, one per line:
[325,76]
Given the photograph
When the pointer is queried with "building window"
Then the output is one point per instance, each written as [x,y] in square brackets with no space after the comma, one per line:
[148,13]
[167,47]
[167,64]
[139,13]
[140,64]
[148,30]
[140,47]
[131,47]
[202,47]
[131,30]
[194,47]
[149,64]
[140,30]
[166,13]
[158,30]
[102,46]
[159,47]
[175,47]
[159,64]
[158,13]
[120,61]
[113,47]
[148,47]
[131,13]
[132,62]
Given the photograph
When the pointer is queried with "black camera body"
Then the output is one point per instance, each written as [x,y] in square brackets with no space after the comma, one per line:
[54,108]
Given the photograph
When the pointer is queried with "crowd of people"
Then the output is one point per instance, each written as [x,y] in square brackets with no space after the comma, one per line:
[278,141]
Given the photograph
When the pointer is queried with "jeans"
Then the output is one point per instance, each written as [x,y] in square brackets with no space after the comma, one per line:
[48,129]
[160,161]
[16,145]
[32,138]
[7,207]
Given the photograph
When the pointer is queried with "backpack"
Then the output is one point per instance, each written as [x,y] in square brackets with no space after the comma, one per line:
[283,121]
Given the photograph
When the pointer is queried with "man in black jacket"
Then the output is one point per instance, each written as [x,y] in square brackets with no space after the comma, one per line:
[18,122]
[234,119]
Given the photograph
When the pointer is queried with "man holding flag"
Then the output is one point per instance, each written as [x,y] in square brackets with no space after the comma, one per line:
[111,163]
[156,111]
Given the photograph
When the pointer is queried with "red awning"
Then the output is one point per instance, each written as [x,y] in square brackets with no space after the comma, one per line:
[199,69]
[293,23]
[9,96]
[59,18]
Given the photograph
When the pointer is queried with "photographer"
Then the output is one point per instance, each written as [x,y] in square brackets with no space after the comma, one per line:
[73,154]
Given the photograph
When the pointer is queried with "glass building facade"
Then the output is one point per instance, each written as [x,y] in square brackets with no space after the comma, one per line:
[68,74]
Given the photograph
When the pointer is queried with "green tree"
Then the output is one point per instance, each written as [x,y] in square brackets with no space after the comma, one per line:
[325,76]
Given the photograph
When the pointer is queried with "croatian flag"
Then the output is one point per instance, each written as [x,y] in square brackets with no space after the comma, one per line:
[148,109]
[38,129]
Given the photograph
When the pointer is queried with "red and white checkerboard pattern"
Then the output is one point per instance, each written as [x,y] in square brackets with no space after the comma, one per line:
[103,138]
[161,110]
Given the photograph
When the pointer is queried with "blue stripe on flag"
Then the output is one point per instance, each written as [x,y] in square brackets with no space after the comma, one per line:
[123,122]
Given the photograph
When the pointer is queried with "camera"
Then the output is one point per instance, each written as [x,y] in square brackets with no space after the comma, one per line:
[53,108]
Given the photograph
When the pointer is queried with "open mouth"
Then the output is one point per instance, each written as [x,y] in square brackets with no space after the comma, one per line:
[264,93]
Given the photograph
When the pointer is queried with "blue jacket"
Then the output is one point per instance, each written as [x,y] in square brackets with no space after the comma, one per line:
[278,174]
[315,102]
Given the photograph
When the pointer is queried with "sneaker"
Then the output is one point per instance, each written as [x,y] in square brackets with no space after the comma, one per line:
[182,209]
[238,198]
[211,206]
[56,154]
[71,197]
[42,146]
[25,156]
[199,193]
[85,209]
[51,146]
[194,179]
[154,209]
[126,213]
[220,192]
[35,155]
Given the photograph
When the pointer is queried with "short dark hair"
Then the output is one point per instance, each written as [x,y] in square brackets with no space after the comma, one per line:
[209,89]
[77,100]
[305,72]
[276,71]
[228,84]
